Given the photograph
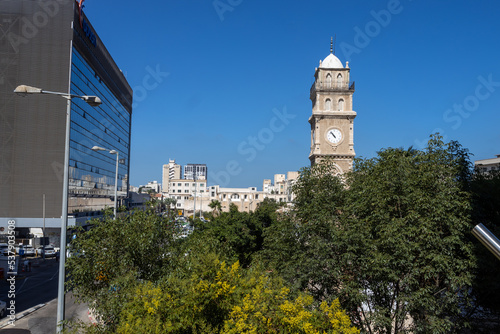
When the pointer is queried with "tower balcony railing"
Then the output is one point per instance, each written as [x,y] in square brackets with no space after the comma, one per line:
[332,86]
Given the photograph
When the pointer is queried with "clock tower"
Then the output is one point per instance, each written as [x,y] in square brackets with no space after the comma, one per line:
[332,115]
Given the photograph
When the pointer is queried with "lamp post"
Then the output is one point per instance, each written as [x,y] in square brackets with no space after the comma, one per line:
[195,188]
[97,148]
[93,101]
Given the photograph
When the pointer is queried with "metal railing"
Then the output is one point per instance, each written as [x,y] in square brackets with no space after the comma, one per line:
[488,239]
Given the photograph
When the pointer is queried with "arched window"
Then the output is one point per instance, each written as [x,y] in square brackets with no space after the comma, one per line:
[339,80]
[328,80]
[341,105]
[328,104]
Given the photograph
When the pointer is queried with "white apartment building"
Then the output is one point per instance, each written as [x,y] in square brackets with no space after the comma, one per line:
[154,185]
[184,192]
[195,195]
[246,199]
[171,171]
[267,186]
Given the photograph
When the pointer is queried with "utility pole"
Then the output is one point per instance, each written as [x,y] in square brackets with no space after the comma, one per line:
[43,246]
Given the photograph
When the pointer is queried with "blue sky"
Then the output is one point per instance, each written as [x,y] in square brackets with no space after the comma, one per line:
[211,75]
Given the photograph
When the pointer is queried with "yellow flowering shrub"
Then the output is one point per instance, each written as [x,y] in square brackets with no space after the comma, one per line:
[218,298]
[269,309]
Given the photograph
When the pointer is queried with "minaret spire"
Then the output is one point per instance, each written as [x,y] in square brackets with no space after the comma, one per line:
[333,44]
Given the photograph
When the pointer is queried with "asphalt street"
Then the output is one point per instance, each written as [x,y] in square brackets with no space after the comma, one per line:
[36,300]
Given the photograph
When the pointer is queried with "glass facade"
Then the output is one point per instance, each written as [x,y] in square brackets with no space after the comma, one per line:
[63,52]
[93,173]
[195,170]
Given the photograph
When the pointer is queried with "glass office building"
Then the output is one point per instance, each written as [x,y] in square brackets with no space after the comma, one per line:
[52,45]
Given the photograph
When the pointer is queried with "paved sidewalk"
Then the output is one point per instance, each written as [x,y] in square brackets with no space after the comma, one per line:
[42,318]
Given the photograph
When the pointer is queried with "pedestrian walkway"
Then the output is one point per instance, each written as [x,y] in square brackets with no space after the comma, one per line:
[42,318]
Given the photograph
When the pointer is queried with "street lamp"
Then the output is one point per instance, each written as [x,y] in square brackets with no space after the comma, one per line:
[97,148]
[93,101]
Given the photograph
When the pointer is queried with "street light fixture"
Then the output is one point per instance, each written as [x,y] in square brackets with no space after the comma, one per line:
[23,90]
[97,148]
[93,101]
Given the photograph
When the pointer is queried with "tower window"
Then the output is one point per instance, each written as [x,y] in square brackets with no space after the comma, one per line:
[341,105]
[339,80]
[328,80]
[328,104]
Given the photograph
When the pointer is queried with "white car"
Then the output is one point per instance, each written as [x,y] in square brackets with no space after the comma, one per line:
[49,251]
[3,308]
[29,250]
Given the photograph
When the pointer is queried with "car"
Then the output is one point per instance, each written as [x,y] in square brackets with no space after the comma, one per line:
[3,308]
[4,249]
[29,250]
[25,250]
[49,251]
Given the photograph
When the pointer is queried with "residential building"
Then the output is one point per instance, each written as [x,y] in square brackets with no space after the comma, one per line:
[292,177]
[184,192]
[279,183]
[198,171]
[488,165]
[245,199]
[153,185]
[62,53]
[171,171]
[267,186]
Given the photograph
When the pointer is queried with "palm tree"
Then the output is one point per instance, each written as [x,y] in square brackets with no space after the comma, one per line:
[216,206]
[168,202]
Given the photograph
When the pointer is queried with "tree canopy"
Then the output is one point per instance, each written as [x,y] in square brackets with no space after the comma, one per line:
[390,239]
[384,248]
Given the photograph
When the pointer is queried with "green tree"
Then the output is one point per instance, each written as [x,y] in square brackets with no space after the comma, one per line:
[239,231]
[114,254]
[301,244]
[391,240]
[407,261]
[485,190]
[167,204]
[216,207]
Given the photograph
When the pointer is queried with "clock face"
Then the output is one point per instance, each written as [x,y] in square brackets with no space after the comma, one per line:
[334,136]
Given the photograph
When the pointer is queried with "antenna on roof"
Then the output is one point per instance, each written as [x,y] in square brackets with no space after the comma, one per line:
[331,44]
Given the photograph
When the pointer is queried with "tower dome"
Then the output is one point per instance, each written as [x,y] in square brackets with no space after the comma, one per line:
[331,62]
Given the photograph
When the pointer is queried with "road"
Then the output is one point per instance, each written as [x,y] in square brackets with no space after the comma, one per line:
[38,290]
